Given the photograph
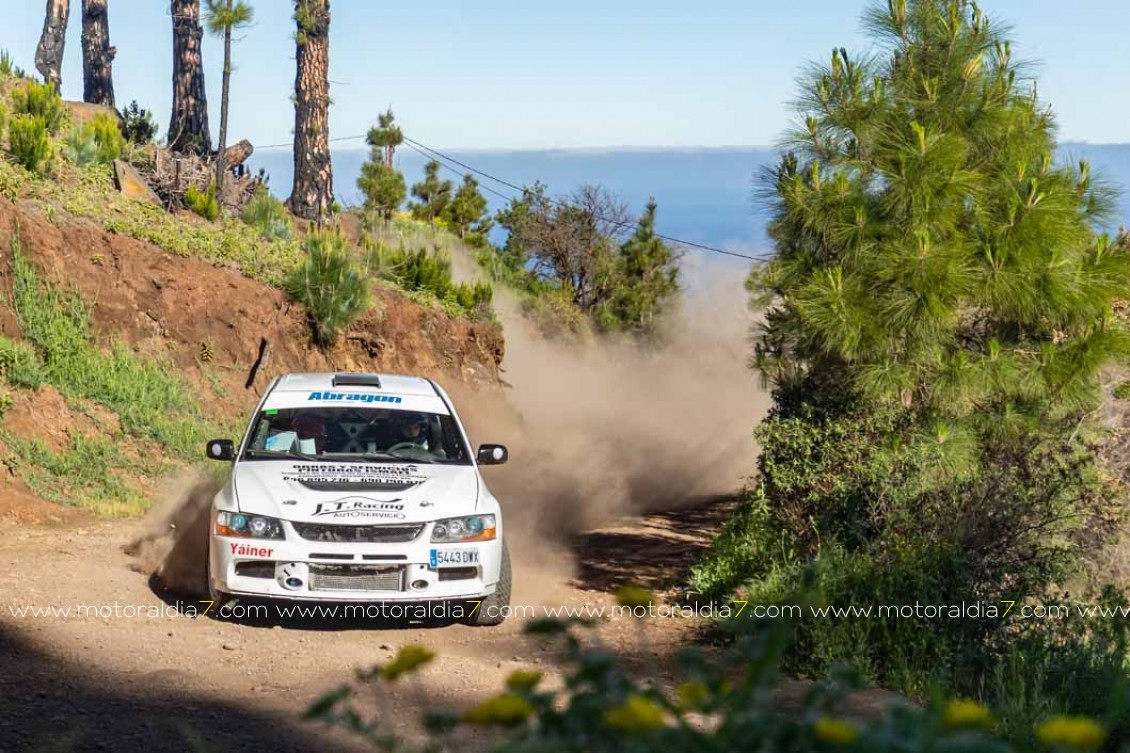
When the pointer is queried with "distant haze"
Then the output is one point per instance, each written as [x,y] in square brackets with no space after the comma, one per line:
[707,196]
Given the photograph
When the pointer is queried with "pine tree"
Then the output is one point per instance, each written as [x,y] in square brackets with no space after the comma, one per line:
[97,54]
[381,183]
[931,253]
[467,210]
[646,278]
[312,195]
[433,193]
[222,18]
[188,123]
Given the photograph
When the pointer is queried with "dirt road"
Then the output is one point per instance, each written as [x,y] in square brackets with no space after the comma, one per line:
[171,681]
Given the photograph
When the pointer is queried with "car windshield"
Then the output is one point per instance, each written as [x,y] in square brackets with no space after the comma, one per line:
[356,434]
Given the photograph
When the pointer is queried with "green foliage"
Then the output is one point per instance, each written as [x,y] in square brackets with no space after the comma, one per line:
[138,125]
[729,700]
[647,279]
[937,317]
[383,187]
[268,215]
[12,180]
[204,203]
[220,19]
[28,142]
[97,141]
[381,183]
[329,285]
[40,101]
[433,193]
[19,364]
[467,211]
[91,194]
[9,69]
[578,245]
[430,272]
[144,391]
[79,147]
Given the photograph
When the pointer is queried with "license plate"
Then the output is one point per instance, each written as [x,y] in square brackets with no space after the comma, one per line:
[454,557]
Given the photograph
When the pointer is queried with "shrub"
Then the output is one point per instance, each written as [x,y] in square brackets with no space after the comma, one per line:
[329,285]
[268,215]
[430,273]
[8,69]
[41,101]
[19,364]
[729,700]
[203,203]
[108,137]
[28,143]
[80,147]
[145,392]
[137,124]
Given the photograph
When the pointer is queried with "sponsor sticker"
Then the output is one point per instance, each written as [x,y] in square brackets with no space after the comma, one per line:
[355,397]
[360,507]
[250,550]
[453,557]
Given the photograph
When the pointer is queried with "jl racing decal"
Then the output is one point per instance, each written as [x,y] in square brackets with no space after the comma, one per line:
[354,397]
[360,508]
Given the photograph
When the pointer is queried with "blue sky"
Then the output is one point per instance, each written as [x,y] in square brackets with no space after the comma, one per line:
[587,73]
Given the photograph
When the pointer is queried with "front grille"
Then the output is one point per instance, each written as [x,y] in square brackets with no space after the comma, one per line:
[396,534]
[354,578]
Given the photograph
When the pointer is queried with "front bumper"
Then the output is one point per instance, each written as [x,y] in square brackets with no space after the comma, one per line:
[351,572]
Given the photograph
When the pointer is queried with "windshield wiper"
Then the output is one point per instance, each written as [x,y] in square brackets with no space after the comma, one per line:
[281,455]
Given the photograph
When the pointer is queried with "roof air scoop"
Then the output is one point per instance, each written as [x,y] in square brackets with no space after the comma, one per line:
[357,380]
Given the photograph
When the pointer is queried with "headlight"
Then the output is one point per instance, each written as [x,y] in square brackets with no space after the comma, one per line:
[248,526]
[470,528]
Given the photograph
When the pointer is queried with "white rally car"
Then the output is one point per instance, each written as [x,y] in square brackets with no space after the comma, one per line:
[359,488]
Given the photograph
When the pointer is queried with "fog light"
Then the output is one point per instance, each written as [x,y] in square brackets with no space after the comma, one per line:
[419,585]
[294,583]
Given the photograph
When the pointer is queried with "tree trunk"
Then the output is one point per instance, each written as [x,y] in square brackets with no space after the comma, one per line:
[188,125]
[97,54]
[312,196]
[49,54]
[221,168]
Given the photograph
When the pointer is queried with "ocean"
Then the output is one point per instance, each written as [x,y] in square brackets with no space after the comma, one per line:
[708,196]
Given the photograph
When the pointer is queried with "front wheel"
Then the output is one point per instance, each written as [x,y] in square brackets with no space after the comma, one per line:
[492,610]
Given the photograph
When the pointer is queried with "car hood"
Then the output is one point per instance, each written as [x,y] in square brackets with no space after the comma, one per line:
[355,493]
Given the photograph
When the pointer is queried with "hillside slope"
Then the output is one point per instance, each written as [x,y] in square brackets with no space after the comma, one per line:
[222,335]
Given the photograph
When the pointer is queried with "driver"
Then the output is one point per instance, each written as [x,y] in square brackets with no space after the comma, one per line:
[311,426]
[413,430]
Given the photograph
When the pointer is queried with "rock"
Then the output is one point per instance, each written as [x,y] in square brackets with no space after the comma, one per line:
[132,185]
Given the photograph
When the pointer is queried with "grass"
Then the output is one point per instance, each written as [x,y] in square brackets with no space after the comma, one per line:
[89,193]
[152,403]
[92,473]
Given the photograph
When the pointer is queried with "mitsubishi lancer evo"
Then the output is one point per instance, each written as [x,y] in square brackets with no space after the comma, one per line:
[359,488]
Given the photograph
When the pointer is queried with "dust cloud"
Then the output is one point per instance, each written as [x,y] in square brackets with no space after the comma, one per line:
[173,545]
[606,428]
[595,430]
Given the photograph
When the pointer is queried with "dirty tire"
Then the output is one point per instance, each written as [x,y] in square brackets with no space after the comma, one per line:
[489,612]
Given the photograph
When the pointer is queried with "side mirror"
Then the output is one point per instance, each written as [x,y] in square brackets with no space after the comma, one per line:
[492,454]
[220,449]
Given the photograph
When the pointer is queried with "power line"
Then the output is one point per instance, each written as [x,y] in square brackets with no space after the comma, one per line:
[426,151]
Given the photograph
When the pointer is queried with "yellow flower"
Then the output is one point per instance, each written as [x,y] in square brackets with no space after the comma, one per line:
[507,710]
[1076,732]
[637,714]
[692,695]
[407,659]
[835,731]
[522,679]
[966,713]
[633,596]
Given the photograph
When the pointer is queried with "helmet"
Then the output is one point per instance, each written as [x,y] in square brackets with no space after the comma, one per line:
[310,426]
